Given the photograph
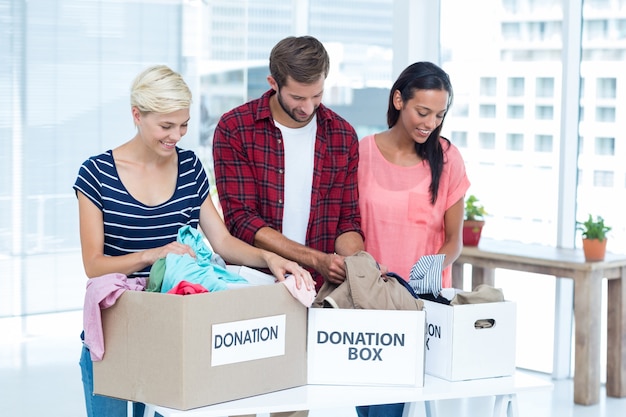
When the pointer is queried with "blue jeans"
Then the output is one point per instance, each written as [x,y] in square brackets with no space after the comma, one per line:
[382,410]
[99,405]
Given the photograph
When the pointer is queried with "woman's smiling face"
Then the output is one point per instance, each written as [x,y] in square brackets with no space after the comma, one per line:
[162,132]
[423,113]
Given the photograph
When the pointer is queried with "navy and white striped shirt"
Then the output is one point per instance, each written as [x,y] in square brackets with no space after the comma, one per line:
[131,226]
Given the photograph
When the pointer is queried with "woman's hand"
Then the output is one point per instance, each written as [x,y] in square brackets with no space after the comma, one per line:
[281,267]
[150,256]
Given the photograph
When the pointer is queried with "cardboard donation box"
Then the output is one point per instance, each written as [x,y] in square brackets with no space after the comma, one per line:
[470,341]
[366,347]
[195,350]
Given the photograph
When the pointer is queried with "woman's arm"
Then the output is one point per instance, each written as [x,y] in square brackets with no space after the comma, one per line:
[453,224]
[238,252]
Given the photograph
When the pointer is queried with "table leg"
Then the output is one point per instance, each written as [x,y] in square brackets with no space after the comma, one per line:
[410,409]
[505,406]
[563,322]
[482,275]
[457,276]
[587,316]
[616,337]
[430,408]
[149,411]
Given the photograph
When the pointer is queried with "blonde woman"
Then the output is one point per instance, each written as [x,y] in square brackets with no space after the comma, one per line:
[133,199]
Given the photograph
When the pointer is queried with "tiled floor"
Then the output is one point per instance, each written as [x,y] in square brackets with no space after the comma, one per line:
[39,376]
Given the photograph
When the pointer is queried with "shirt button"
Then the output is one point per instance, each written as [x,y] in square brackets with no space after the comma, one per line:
[280,171]
[280,141]
[280,201]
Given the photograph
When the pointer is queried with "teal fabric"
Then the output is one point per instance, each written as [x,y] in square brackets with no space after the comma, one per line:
[199,270]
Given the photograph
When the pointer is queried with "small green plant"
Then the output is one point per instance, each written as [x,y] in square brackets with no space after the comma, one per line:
[473,210]
[593,229]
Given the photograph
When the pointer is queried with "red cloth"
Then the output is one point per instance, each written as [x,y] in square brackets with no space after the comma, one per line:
[186,288]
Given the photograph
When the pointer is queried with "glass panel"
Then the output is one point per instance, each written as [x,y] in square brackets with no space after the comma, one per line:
[459,138]
[64,82]
[516,86]
[605,146]
[601,165]
[515,111]
[545,87]
[543,143]
[488,86]
[67,66]
[514,142]
[520,52]
[520,45]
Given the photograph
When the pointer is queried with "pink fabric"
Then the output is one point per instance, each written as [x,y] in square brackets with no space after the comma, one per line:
[187,288]
[102,292]
[399,223]
[303,295]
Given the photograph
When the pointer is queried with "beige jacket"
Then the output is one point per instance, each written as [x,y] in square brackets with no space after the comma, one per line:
[366,288]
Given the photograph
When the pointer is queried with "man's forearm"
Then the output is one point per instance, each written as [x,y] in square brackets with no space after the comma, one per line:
[349,243]
[272,240]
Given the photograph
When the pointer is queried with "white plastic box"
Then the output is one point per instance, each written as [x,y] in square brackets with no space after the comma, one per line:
[455,349]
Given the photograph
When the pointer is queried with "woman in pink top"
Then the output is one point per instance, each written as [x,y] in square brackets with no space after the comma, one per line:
[412,183]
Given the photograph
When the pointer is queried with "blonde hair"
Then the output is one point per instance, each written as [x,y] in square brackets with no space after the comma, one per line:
[159,89]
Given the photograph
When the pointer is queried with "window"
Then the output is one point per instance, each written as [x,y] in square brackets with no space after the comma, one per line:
[544,112]
[605,114]
[602,178]
[88,52]
[595,29]
[605,146]
[511,31]
[77,52]
[459,138]
[514,141]
[516,87]
[545,87]
[487,140]
[606,88]
[543,143]
[487,111]
[515,111]
[460,110]
[488,86]
[621,29]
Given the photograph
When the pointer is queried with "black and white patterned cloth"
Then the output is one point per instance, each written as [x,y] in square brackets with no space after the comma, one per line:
[425,276]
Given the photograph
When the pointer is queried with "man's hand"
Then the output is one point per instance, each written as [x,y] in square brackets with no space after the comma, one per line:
[332,268]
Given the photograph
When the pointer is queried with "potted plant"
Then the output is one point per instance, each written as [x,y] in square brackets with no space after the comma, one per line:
[473,222]
[594,238]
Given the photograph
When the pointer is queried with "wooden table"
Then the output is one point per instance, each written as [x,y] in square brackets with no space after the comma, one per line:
[315,397]
[587,276]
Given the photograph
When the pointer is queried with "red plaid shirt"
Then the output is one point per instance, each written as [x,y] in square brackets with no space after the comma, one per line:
[249,163]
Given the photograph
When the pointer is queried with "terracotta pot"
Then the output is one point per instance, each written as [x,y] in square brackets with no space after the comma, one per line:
[471,232]
[594,249]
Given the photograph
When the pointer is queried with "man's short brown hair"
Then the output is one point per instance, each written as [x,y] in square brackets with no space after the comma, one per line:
[302,58]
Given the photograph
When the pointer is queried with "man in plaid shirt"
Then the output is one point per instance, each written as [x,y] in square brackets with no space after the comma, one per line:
[286,166]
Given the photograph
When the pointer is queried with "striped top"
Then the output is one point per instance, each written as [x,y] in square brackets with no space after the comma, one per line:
[131,226]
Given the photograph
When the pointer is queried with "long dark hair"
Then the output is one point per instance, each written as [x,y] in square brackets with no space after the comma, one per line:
[423,76]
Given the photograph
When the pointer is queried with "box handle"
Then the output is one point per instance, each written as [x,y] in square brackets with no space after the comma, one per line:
[484,324]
